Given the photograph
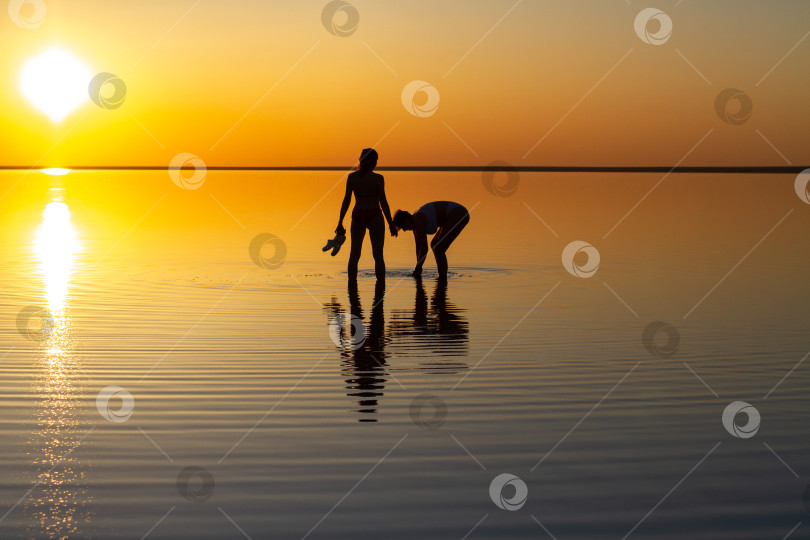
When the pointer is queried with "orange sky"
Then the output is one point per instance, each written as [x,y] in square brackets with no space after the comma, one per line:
[265,83]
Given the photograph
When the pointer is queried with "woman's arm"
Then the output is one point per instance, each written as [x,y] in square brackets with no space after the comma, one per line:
[344,207]
[385,208]
[420,238]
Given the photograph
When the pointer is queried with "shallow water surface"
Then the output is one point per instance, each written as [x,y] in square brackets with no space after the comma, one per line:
[158,383]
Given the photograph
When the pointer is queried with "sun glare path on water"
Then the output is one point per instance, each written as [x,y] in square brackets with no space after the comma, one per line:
[59,503]
[56,246]
[55,171]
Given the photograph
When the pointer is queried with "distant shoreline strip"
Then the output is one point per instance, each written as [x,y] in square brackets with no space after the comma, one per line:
[450,168]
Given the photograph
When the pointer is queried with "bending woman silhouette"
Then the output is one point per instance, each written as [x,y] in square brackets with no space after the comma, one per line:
[368,188]
[445,219]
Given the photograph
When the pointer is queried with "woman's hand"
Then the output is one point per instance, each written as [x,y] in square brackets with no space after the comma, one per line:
[393,229]
[341,230]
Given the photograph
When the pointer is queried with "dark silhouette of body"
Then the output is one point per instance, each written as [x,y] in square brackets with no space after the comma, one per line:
[445,220]
[368,189]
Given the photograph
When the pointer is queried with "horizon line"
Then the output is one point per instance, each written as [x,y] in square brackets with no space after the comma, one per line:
[709,169]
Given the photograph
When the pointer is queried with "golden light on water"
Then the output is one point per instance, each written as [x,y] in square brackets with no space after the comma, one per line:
[55,171]
[56,246]
[58,504]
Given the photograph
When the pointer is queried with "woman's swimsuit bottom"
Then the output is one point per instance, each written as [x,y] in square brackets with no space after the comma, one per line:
[364,217]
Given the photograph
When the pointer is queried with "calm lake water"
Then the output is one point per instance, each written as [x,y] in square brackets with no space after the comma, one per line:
[233,412]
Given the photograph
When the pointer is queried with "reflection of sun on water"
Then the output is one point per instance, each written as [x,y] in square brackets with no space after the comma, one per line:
[56,246]
[57,506]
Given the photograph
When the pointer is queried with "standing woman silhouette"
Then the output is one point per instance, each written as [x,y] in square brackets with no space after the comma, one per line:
[368,188]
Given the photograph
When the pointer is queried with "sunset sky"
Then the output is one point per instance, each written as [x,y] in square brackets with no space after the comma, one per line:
[265,83]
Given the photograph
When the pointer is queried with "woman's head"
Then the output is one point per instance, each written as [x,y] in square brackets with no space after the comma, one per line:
[403,220]
[368,159]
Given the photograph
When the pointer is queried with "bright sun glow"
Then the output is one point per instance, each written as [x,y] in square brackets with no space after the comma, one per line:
[55,82]
[55,171]
[56,246]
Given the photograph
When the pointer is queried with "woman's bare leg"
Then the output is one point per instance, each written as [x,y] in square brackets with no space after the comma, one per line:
[441,263]
[456,221]
[376,232]
[358,233]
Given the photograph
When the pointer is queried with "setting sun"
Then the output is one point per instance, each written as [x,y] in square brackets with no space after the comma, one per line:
[55,82]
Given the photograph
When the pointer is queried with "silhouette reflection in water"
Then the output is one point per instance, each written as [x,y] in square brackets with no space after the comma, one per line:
[432,330]
[435,331]
[364,358]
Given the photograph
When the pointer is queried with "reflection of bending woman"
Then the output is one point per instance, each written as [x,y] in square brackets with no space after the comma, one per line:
[445,219]
[368,188]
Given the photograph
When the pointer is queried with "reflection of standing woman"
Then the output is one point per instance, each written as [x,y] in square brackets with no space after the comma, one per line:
[445,219]
[368,188]
[365,371]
